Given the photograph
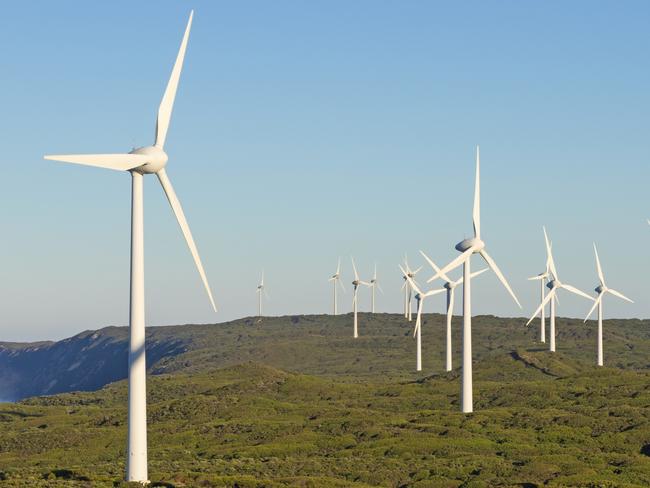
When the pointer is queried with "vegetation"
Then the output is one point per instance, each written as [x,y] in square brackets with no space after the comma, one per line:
[357,415]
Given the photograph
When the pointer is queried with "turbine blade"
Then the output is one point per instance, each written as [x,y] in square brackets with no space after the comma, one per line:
[453,265]
[354,267]
[434,292]
[416,271]
[338,267]
[119,162]
[538,277]
[341,284]
[434,266]
[593,307]
[167,102]
[547,299]
[379,287]
[598,268]
[476,214]
[476,273]
[182,222]
[619,295]
[418,320]
[549,255]
[497,272]
[573,289]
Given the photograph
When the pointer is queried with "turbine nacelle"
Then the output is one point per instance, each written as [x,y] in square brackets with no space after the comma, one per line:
[157,159]
[553,284]
[471,243]
[600,289]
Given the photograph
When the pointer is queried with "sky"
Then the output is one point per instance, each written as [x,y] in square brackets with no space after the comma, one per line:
[307,131]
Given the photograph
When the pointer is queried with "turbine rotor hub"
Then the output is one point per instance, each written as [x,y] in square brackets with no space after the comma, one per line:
[157,162]
[466,244]
[599,289]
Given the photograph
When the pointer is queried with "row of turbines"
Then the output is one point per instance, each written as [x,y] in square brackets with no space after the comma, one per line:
[152,160]
[549,279]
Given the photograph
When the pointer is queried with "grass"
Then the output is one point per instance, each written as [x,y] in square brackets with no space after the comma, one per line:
[357,415]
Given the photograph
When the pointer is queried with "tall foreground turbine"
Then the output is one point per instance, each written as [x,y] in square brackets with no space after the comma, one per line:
[543,280]
[336,279]
[601,289]
[450,286]
[374,283]
[468,247]
[554,285]
[417,332]
[355,300]
[139,162]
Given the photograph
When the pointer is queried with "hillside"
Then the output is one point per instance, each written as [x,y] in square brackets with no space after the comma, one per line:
[540,421]
[316,344]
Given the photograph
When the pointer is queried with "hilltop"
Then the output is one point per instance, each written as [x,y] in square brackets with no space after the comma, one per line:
[313,344]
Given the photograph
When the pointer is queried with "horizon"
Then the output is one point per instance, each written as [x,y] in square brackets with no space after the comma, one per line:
[305,133]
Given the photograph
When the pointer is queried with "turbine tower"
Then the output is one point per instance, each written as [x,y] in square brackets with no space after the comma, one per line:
[261,289]
[374,284]
[554,285]
[450,286]
[543,280]
[601,289]
[336,279]
[355,301]
[468,247]
[140,162]
[417,332]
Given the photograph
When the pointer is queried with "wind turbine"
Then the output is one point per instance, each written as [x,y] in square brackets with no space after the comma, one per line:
[140,162]
[468,247]
[261,289]
[601,289]
[408,292]
[336,278]
[450,286]
[374,284]
[554,285]
[417,332]
[355,301]
[543,280]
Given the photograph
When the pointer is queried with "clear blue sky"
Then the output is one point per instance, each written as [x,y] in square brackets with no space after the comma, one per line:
[304,131]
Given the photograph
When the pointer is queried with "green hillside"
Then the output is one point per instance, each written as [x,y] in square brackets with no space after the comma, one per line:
[296,402]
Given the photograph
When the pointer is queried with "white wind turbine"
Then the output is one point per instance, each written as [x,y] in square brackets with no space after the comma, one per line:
[374,283]
[336,278]
[408,291]
[139,162]
[417,332]
[468,247]
[355,300]
[543,280]
[261,289]
[554,285]
[601,289]
[450,286]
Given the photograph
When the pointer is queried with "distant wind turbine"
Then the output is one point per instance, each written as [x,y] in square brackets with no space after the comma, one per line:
[261,289]
[450,286]
[601,289]
[554,285]
[408,291]
[468,247]
[417,332]
[336,279]
[139,162]
[543,279]
[374,284]
[355,300]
